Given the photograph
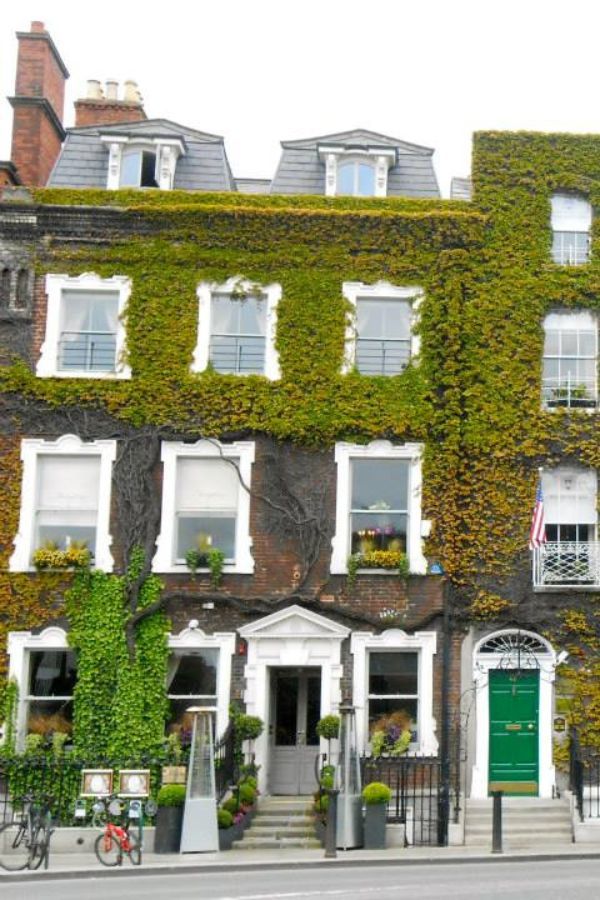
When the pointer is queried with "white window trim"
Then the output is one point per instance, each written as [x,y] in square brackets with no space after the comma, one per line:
[47,366]
[381,159]
[205,291]
[243,451]
[356,290]
[67,445]
[19,646]
[418,528]
[425,644]
[224,642]
[168,151]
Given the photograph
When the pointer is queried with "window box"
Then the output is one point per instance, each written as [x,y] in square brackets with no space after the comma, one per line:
[52,557]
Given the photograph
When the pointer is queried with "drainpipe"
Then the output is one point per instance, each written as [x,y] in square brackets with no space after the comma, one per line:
[444,791]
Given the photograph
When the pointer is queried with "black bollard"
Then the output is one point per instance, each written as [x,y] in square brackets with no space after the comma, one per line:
[497,822]
[331,829]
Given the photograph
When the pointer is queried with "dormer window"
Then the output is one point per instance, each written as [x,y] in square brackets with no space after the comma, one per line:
[356,171]
[356,178]
[142,163]
[571,225]
[138,168]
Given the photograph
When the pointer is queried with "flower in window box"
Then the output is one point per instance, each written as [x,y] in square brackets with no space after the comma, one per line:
[385,559]
[50,556]
[391,734]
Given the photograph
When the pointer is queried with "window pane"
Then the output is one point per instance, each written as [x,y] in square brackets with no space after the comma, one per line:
[252,315]
[193,673]
[587,343]
[405,708]
[345,178]
[366,180]
[568,343]
[131,163]
[393,673]
[52,673]
[224,315]
[68,482]
[378,531]
[180,720]
[47,716]
[369,318]
[210,531]
[206,484]
[148,178]
[380,484]
[286,711]
[552,343]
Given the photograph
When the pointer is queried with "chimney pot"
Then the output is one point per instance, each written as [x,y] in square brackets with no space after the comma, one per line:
[131,93]
[94,90]
[37,27]
[112,87]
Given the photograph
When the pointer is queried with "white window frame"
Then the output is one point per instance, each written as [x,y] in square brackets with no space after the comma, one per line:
[67,445]
[382,159]
[573,314]
[205,291]
[382,290]
[562,223]
[396,640]
[168,151]
[417,528]
[193,638]
[560,481]
[20,645]
[47,366]
[243,451]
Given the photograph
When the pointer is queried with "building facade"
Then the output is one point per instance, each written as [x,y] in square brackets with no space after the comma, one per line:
[319,407]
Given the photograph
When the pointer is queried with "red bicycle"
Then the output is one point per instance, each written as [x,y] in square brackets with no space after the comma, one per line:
[117,840]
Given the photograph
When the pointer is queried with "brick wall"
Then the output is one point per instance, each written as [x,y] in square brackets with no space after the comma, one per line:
[107,112]
[40,71]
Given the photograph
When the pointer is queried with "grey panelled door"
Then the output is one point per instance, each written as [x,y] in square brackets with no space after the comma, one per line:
[295,711]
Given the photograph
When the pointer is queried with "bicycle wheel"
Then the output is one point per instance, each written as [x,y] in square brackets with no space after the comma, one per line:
[14,850]
[108,850]
[40,847]
[135,850]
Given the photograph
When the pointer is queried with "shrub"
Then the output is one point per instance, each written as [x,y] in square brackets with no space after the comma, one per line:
[247,794]
[322,803]
[328,727]
[231,805]
[249,780]
[171,795]
[224,818]
[248,728]
[376,792]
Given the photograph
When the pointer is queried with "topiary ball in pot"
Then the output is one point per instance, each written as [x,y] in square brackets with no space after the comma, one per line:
[376,797]
[169,818]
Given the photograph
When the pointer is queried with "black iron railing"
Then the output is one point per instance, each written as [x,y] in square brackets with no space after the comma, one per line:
[584,778]
[416,787]
[226,763]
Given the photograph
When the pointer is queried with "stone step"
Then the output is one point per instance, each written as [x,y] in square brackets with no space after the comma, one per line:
[283,821]
[268,843]
[279,833]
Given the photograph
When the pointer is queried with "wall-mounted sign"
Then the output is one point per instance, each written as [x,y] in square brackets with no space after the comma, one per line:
[96,782]
[134,782]
[560,724]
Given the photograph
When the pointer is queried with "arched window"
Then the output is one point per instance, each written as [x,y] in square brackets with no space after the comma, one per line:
[138,168]
[22,295]
[5,288]
[356,178]
[571,224]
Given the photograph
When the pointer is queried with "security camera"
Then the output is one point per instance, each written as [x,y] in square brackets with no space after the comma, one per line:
[562,657]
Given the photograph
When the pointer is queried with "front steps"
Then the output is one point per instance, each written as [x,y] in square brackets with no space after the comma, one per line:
[280,822]
[527,823]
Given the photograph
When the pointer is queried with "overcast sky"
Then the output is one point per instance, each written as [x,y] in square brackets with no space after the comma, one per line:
[261,71]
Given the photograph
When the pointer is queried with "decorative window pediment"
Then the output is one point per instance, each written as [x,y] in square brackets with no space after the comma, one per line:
[143,162]
[356,171]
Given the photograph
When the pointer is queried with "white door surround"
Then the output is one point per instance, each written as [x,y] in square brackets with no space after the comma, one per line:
[512,649]
[291,637]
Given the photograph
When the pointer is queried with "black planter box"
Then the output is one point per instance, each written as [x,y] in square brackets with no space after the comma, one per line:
[227,836]
[167,836]
[375,822]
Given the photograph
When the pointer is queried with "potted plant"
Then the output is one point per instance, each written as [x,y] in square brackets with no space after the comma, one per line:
[228,832]
[169,818]
[376,797]
[50,556]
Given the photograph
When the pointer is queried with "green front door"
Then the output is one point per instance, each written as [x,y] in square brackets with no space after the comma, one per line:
[514,738]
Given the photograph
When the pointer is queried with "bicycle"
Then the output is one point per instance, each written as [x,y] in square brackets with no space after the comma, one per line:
[116,840]
[25,844]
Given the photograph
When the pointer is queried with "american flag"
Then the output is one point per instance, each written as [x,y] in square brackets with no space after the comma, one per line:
[537,533]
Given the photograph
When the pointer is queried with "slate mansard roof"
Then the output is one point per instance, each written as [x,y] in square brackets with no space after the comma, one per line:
[301,171]
[83,162]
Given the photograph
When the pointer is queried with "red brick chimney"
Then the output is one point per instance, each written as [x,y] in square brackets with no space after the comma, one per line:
[38,105]
[99,108]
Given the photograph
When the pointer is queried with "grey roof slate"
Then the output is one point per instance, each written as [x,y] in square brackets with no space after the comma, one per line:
[301,171]
[83,161]
[461,188]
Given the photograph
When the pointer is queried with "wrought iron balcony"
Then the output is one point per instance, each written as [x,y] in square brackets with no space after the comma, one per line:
[567,564]
[86,351]
[244,355]
[377,357]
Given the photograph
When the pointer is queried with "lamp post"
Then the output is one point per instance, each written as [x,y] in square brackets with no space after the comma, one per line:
[200,832]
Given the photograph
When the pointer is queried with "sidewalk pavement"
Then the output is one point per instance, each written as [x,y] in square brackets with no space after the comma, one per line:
[85,865]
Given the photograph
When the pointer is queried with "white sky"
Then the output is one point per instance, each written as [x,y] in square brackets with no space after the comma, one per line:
[261,71]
